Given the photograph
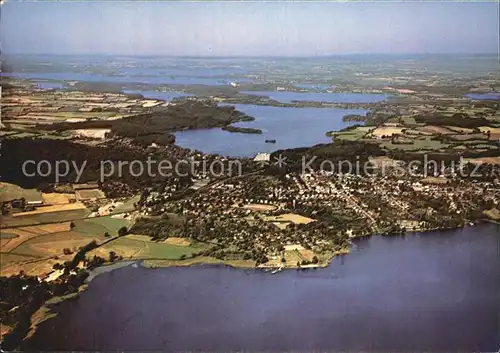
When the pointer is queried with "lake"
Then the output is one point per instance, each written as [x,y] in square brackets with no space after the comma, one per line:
[290,127]
[425,291]
[483,96]
[288,97]
[49,85]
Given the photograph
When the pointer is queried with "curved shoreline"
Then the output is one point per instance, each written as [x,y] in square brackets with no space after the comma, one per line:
[245,264]
[46,312]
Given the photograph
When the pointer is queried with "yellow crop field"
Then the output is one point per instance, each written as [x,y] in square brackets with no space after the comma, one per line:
[492,130]
[259,207]
[460,129]
[436,130]
[57,198]
[306,254]
[484,160]
[434,180]
[50,209]
[177,241]
[291,217]
[387,131]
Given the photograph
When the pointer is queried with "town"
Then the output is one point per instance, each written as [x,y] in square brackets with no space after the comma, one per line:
[295,208]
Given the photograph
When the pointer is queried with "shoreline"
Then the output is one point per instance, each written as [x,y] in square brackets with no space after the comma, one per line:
[108,268]
[247,264]
[47,312]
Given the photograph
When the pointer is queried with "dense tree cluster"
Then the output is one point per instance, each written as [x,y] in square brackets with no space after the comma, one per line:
[17,151]
[21,296]
[156,126]
[457,119]
[352,151]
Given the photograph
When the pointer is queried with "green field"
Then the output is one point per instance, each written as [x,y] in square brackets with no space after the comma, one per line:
[5,133]
[132,248]
[9,221]
[166,251]
[22,135]
[100,225]
[199,260]
[127,206]
[10,192]
[56,217]
[54,137]
[417,144]
[49,217]
[351,135]
[408,120]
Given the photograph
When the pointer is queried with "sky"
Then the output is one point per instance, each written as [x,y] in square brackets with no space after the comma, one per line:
[249,28]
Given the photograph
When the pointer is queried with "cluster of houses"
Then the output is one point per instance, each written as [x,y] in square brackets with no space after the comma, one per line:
[24,201]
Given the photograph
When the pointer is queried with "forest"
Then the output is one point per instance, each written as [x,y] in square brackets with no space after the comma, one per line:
[157,126]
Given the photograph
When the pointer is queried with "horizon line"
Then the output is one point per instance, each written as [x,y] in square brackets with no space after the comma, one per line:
[258,56]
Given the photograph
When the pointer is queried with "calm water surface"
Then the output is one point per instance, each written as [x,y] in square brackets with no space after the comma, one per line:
[434,291]
[483,96]
[49,85]
[288,97]
[290,127]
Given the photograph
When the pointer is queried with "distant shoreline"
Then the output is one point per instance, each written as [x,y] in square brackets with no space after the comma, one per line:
[248,264]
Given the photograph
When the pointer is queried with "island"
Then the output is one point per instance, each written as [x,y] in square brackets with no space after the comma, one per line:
[245,130]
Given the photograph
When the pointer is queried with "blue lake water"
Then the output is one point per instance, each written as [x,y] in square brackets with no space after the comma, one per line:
[288,97]
[49,85]
[196,71]
[167,96]
[434,292]
[483,96]
[290,127]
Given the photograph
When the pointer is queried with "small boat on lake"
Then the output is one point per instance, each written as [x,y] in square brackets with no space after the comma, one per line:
[277,270]
[270,141]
